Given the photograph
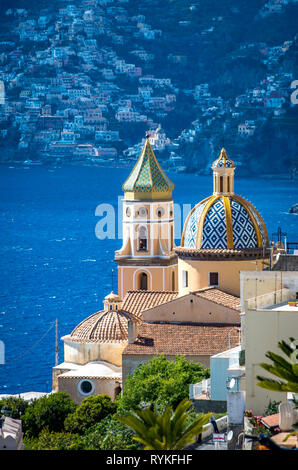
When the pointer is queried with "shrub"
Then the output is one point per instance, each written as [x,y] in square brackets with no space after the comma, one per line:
[90,412]
[49,412]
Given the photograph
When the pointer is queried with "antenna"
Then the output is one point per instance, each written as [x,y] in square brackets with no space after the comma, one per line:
[57,345]
[112,280]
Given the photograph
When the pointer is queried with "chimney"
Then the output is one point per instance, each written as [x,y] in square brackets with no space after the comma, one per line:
[132,331]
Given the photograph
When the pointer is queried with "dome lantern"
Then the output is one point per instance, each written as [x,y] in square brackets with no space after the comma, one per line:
[223,174]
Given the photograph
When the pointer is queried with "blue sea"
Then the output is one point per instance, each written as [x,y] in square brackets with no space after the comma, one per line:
[54,266]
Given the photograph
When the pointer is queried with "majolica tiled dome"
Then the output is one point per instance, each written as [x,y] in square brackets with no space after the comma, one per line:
[103,326]
[224,220]
[147,180]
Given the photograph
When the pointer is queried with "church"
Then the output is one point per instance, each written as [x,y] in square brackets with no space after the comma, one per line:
[171,299]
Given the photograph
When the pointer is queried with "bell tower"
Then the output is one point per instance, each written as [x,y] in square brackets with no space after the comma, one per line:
[147,260]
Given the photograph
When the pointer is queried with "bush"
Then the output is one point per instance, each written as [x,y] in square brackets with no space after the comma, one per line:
[109,434]
[54,441]
[18,406]
[160,382]
[49,412]
[90,412]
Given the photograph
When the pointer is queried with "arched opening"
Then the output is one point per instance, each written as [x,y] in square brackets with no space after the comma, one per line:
[173,281]
[142,238]
[172,237]
[228,179]
[143,281]
[117,390]
[221,184]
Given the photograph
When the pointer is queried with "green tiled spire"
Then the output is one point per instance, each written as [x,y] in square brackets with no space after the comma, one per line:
[147,180]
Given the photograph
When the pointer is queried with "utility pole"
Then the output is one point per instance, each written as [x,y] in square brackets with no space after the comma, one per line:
[57,345]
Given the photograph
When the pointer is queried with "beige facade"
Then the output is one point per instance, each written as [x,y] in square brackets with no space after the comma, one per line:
[147,260]
[192,308]
[268,319]
[102,386]
[198,273]
[82,353]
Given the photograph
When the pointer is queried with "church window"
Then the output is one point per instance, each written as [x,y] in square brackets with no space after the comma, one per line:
[128,211]
[142,212]
[228,178]
[221,184]
[143,281]
[185,278]
[86,387]
[173,281]
[142,239]
[213,279]
[160,212]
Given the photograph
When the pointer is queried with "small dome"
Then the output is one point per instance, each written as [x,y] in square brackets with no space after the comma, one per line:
[223,161]
[103,326]
[112,297]
[224,222]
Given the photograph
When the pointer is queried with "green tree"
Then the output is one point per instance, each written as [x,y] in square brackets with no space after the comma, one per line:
[49,411]
[160,382]
[167,431]
[287,370]
[18,406]
[90,412]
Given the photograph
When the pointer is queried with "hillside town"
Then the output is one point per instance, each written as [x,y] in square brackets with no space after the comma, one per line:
[80,81]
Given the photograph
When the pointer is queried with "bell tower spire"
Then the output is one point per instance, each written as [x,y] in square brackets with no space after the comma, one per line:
[223,175]
[147,260]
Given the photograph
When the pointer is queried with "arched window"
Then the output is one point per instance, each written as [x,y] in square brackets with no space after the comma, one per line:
[228,178]
[173,280]
[142,239]
[221,184]
[143,281]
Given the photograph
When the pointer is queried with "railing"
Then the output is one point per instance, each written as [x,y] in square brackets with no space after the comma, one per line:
[199,389]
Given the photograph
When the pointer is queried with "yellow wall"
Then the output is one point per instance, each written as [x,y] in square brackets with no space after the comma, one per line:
[228,274]
[82,353]
[159,278]
[102,386]
[263,330]
[191,308]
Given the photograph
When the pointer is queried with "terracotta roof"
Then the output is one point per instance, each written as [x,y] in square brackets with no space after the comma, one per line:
[190,339]
[222,253]
[271,421]
[103,326]
[219,297]
[136,301]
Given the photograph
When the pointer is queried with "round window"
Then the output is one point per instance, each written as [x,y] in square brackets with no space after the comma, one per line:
[142,212]
[86,387]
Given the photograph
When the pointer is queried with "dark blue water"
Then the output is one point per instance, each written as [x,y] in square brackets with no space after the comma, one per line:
[54,266]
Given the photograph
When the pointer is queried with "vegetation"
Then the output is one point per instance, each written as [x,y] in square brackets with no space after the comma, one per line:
[157,391]
[47,412]
[91,411]
[165,431]
[160,382]
[282,368]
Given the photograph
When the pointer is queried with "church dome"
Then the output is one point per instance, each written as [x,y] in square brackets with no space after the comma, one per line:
[224,220]
[103,326]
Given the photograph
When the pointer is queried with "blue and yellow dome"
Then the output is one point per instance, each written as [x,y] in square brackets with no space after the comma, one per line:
[224,220]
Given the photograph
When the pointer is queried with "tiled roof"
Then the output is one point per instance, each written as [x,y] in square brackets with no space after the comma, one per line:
[147,175]
[136,301]
[103,326]
[271,421]
[222,253]
[190,339]
[219,297]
